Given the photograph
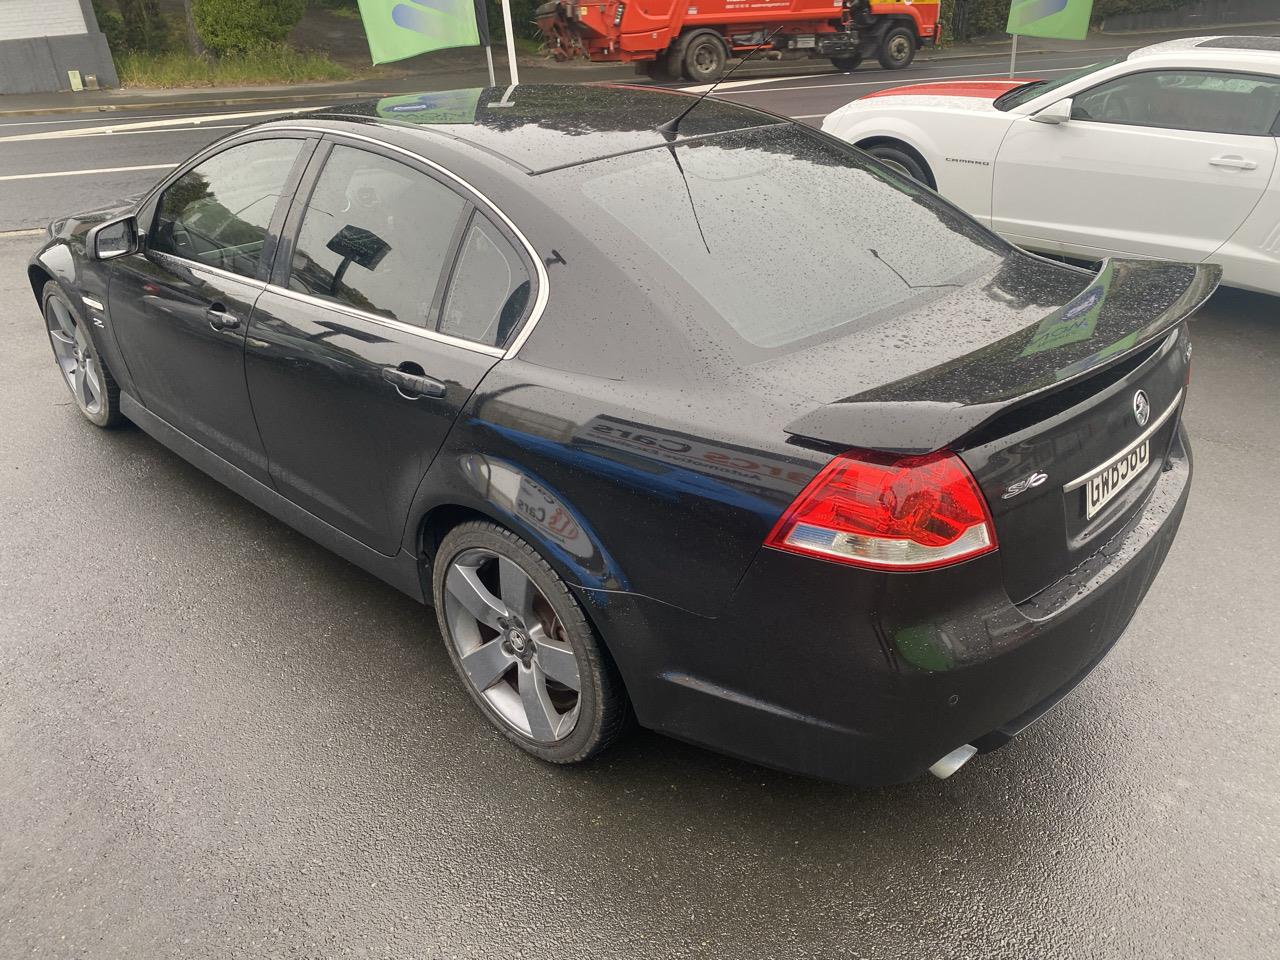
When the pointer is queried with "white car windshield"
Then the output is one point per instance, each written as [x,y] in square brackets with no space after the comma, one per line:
[1029,91]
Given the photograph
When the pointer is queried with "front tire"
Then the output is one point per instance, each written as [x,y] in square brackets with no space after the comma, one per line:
[902,161]
[523,646]
[898,48]
[83,370]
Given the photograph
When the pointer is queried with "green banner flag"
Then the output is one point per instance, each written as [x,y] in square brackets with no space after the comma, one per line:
[405,28]
[1059,19]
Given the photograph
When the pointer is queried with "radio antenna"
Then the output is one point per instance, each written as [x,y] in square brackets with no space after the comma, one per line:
[671,129]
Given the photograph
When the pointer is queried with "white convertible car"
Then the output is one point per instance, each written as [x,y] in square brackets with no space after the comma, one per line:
[1169,153]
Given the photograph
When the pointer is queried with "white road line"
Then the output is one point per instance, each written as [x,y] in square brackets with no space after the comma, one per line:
[880,83]
[153,124]
[98,119]
[79,173]
[735,84]
[38,232]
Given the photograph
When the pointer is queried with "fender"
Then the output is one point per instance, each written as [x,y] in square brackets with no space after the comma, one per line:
[966,184]
[85,285]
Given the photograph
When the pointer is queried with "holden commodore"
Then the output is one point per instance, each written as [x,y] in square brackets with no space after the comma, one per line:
[676,412]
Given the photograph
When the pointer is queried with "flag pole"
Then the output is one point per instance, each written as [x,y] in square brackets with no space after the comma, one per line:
[511,41]
[1013,55]
[488,55]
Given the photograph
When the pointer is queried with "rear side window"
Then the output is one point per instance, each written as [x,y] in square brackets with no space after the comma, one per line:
[376,236]
[489,293]
[1200,100]
[787,237]
[217,213]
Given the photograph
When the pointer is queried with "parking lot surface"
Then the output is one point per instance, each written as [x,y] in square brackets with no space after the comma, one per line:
[218,740]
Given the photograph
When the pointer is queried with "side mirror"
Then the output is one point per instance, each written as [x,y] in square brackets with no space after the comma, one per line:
[115,238]
[1056,113]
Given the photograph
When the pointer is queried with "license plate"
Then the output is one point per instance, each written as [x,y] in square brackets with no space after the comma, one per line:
[1102,486]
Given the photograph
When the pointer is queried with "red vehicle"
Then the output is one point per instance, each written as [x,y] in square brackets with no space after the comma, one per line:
[694,39]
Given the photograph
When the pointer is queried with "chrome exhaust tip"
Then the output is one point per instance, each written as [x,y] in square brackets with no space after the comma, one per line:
[953,761]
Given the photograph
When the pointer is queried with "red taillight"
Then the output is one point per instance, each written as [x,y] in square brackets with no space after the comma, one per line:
[889,513]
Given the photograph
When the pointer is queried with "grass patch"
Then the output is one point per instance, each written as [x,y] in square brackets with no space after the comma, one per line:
[264,65]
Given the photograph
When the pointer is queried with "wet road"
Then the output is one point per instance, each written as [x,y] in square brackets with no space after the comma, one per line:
[218,740]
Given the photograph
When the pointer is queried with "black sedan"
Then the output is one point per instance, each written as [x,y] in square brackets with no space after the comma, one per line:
[677,412]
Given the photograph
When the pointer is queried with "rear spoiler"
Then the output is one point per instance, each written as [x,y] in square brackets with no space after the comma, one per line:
[1128,305]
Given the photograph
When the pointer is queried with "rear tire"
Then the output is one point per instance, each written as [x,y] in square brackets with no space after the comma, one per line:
[902,161]
[94,389]
[659,70]
[898,48]
[532,643]
[847,64]
[704,58]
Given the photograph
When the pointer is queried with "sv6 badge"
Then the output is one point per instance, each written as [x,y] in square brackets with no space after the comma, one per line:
[1023,485]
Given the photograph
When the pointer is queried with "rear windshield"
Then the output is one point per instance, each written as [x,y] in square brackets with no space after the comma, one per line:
[788,236]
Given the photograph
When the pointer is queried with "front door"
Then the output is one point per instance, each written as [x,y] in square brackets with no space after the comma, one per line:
[391,305]
[1161,163]
[180,307]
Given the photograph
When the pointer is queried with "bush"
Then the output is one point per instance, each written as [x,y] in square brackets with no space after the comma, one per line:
[237,26]
[262,64]
[976,18]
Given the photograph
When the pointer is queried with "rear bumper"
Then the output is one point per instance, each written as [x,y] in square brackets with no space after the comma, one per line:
[870,678]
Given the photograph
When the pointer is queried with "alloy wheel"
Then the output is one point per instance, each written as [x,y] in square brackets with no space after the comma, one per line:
[75,356]
[513,649]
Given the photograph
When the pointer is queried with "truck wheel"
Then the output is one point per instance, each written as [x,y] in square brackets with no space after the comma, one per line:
[659,71]
[898,48]
[847,64]
[704,58]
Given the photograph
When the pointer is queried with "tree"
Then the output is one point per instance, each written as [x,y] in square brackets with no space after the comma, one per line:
[234,26]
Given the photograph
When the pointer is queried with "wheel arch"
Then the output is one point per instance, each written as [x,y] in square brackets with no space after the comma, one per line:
[537,512]
[869,143]
[38,275]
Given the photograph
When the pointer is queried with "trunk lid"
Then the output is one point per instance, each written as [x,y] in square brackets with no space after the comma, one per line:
[1040,410]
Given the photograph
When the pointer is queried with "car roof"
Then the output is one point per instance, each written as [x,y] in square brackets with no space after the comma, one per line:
[547,126]
[1216,50]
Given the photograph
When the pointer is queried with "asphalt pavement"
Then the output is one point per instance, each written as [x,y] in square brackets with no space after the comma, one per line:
[219,740]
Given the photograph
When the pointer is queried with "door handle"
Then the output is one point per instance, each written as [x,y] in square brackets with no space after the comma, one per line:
[1235,163]
[412,385]
[219,319]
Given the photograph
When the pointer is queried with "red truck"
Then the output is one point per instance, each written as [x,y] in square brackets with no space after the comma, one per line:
[694,39]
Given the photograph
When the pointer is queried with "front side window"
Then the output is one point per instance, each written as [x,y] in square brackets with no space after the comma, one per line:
[218,212]
[376,236]
[489,292]
[1200,100]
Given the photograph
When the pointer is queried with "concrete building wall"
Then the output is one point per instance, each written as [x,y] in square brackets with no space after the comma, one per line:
[24,19]
[40,40]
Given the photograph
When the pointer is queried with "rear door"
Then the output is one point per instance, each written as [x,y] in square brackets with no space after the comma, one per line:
[391,299]
[1162,163]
